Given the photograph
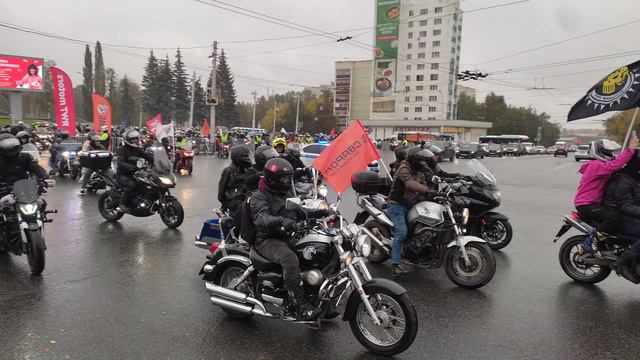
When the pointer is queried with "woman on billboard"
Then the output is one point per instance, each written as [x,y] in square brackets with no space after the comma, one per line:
[32,80]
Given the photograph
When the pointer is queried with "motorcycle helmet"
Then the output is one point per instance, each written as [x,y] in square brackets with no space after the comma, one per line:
[401,152]
[23,136]
[278,174]
[263,154]
[241,156]
[165,141]
[418,158]
[436,154]
[63,134]
[293,149]
[132,138]
[9,145]
[603,149]
[94,139]
[279,143]
[104,128]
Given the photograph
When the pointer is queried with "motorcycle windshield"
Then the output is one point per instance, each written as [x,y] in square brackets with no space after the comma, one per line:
[26,191]
[161,162]
[481,172]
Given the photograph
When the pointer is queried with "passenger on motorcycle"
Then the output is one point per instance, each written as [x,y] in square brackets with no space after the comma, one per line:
[263,154]
[274,223]
[280,144]
[401,155]
[128,156]
[409,184]
[92,143]
[622,193]
[595,174]
[232,189]
[15,165]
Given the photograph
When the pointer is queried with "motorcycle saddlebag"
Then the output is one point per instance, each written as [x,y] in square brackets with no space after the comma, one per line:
[95,159]
[213,231]
[369,182]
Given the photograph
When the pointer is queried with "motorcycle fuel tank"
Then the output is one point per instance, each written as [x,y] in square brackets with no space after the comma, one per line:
[426,212]
[313,250]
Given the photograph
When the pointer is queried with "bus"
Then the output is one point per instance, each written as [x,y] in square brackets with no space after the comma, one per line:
[419,136]
[503,139]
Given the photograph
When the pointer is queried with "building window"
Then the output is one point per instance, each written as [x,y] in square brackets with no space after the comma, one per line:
[419,99]
[418,109]
[438,10]
[423,34]
[432,109]
[419,77]
[410,12]
[431,118]
[408,78]
[437,21]
[410,24]
[433,87]
[422,45]
[410,35]
[419,88]
[417,118]
[435,54]
[408,56]
[409,67]
[409,45]
[423,11]
[407,88]
[435,66]
[434,77]
[407,99]
[420,66]
[421,55]
[435,43]
[406,109]
[433,98]
[436,32]
[423,22]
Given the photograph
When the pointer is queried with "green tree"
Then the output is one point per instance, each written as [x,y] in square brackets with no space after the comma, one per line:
[151,86]
[617,125]
[182,91]
[100,85]
[200,108]
[468,108]
[126,104]
[281,108]
[245,113]
[87,86]
[318,116]
[226,114]
[165,87]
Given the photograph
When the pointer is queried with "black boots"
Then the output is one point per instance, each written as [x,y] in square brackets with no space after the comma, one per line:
[304,310]
[626,267]
[398,270]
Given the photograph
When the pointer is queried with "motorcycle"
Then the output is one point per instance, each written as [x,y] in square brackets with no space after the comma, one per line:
[481,195]
[223,151]
[185,161]
[22,220]
[380,314]
[435,235]
[152,194]
[589,267]
[67,161]
[99,161]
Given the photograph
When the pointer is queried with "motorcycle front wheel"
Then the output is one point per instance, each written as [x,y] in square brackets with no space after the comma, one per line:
[35,251]
[574,268]
[74,173]
[478,273]
[377,255]
[172,215]
[496,232]
[107,205]
[398,328]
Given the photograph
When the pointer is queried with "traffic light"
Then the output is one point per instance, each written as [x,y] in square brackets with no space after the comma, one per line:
[211,99]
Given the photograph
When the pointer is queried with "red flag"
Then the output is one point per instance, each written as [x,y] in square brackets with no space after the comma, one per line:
[153,123]
[101,113]
[332,132]
[63,101]
[205,128]
[349,153]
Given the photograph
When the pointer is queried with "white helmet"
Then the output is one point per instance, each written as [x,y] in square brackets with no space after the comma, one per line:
[104,128]
[603,149]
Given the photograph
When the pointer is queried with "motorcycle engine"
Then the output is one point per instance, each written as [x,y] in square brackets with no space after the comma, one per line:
[420,242]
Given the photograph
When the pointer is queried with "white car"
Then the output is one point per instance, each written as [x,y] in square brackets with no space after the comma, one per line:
[309,152]
[583,153]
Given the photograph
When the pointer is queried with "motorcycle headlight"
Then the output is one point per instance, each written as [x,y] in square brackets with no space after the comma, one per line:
[323,191]
[165,180]
[465,216]
[28,209]
[65,154]
[494,195]
[363,245]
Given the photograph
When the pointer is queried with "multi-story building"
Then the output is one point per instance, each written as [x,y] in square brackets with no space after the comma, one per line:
[470,92]
[352,91]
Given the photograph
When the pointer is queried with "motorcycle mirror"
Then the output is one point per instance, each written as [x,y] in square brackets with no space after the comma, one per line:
[435,179]
[293,204]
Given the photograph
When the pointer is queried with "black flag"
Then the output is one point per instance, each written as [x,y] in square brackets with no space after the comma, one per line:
[618,91]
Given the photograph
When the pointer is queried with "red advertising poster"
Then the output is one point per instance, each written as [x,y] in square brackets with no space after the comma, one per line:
[63,101]
[101,113]
[20,73]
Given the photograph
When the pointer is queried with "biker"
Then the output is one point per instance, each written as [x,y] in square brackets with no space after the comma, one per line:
[232,190]
[273,223]
[59,137]
[181,144]
[257,140]
[15,165]
[435,168]
[224,138]
[166,145]
[595,175]
[24,137]
[92,143]
[280,144]
[401,155]
[105,138]
[408,186]
[622,193]
[128,156]
[263,154]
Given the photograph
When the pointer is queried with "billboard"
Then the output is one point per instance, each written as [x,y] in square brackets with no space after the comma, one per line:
[385,55]
[20,73]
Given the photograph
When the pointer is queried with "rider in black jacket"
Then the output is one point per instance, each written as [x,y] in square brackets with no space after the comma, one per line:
[232,190]
[273,223]
[128,156]
[435,168]
[14,165]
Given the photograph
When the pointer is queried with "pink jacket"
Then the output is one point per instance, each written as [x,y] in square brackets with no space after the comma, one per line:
[595,175]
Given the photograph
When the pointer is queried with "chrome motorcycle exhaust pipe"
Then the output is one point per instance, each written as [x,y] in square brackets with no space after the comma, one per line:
[223,292]
[231,305]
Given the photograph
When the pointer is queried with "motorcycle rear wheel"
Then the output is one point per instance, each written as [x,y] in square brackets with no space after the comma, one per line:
[588,274]
[377,255]
[493,227]
[173,214]
[35,251]
[74,173]
[478,274]
[227,278]
[107,205]
[399,323]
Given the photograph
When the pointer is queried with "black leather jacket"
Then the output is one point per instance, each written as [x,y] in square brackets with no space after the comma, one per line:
[623,194]
[128,159]
[232,188]
[19,167]
[268,211]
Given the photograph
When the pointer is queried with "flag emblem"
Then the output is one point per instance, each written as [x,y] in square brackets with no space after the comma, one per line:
[614,89]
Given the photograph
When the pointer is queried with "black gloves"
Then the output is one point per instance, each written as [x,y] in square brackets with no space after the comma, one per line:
[289,225]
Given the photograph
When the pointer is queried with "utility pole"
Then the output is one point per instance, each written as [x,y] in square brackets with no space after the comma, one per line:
[275,110]
[253,122]
[140,124]
[297,114]
[212,114]
[193,91]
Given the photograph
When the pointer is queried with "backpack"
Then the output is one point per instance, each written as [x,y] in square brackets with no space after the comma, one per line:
[247,227]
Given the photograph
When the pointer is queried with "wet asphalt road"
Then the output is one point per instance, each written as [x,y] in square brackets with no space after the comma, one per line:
[130,290]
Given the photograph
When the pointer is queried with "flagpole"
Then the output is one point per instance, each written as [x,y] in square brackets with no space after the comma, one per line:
[628,137]
[385,168]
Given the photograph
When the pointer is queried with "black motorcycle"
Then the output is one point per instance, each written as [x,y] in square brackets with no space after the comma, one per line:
[22,219]
[66,160]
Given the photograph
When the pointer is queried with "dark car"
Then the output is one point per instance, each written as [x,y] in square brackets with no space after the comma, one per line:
[562,149]
[495,150]
[513,149]
[448,151]
[471,151]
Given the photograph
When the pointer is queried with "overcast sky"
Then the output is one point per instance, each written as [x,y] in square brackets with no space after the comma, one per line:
[309,59]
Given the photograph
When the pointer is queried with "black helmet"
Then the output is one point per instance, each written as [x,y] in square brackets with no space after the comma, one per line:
[401,152]
[263,154]
[94,138]
[63,134]
[164,141]
[23,134]
[132,138]
[278,174]
[240,156]
[416,156]
[9,145]
[602,149]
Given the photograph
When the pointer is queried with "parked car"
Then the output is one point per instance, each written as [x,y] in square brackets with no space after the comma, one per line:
[562,149]
[540,149]
[448,150]
[471,151]
[551,149]
[583,153]
[513,149]
[495,150]
[527,148]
